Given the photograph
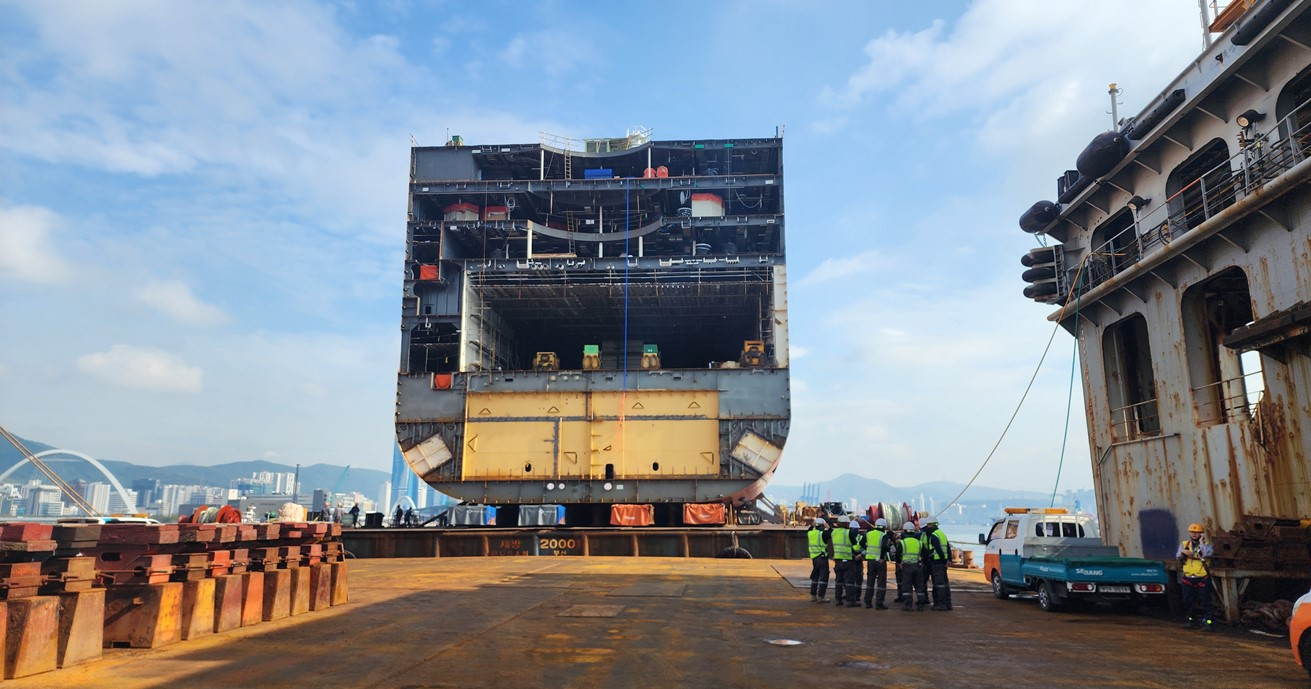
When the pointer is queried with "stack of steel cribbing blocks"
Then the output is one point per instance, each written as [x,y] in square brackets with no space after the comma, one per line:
[1264,544]
[51,614]
[67,591]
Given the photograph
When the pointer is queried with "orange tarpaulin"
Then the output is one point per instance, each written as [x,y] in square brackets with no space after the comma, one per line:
[711,513]
[632,515]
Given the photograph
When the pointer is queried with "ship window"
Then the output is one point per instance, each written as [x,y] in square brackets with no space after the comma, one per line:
[1221,379]
[1130,384]
[1115,247]
[655,466]
[1200,187]
[1293,110]
[609,471]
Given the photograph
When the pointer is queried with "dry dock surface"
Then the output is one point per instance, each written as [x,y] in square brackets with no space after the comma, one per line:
[511,622]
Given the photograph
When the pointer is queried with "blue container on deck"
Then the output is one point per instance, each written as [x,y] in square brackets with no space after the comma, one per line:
[599,173]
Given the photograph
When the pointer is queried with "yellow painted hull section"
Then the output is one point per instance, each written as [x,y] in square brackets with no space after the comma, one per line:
[591,435]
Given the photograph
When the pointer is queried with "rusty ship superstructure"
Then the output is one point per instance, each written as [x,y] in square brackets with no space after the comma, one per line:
[1182,263]
[595,322]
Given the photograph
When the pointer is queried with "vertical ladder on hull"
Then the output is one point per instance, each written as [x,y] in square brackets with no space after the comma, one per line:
[568,163]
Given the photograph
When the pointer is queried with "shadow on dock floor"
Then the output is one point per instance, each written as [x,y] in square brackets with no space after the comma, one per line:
[653,622]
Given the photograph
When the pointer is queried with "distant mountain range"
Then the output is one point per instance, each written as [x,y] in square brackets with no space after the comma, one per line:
[977,505]
[366,481]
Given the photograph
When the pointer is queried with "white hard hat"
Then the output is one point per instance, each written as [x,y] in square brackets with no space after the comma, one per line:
[908,526]
[819,521]
[843,519]
[881,522]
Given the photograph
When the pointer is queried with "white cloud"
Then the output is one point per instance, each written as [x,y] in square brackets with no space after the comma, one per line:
[175,300]
[841,268]
[27,252]
[143,368]
[797,351]
[546,50]
[1018,59]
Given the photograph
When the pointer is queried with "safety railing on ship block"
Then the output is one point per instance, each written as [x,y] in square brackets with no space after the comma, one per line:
[1259,161]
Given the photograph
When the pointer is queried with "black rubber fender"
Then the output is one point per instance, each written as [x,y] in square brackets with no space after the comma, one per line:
[1044,254]
[1074,189]
[1142,125]
[1039,216]
[1255,20]
[1102,154]
[1042,289]
[1039,273]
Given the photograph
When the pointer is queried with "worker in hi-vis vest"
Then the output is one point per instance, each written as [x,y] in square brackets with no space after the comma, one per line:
[841,558]
[879,547]
[856,573]
[937,555]
[818,539]
[912,569]
[1194,556]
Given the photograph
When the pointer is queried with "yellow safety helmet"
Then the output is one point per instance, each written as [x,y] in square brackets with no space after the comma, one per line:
[1195,528]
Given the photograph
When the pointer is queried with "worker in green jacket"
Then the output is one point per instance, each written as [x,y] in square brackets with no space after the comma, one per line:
[842,554]
[879,548]
[937,555]
[856,573]
[912,569]
[818,539]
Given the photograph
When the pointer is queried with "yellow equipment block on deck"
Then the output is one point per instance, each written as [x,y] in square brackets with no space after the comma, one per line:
[552,435]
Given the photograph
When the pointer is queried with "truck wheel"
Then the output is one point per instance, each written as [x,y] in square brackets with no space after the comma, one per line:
[999,589]
[1047,597]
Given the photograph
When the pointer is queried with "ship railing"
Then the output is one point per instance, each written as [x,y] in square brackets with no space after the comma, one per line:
[1259,161]
[1237,398]
[1137,420]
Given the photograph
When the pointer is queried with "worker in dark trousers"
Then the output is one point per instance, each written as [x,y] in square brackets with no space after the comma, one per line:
[818,540]
[937,555]
[1194,556]
[896,567]
[841,558]
[879,548]
[856,573]
[912,569]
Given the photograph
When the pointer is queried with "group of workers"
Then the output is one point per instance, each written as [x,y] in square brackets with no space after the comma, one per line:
[917,556]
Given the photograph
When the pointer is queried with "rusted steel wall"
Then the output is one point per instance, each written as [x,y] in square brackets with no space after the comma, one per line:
[1151,487]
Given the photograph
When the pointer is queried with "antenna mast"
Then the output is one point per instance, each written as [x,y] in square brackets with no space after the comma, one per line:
[1115,91]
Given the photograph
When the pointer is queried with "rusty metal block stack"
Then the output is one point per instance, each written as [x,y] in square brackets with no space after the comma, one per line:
[1260,543]
[69,590]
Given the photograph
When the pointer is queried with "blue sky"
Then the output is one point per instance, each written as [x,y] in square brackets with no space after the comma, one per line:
[202,205]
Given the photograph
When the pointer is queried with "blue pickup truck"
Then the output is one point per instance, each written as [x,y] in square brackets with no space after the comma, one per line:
[1061,556]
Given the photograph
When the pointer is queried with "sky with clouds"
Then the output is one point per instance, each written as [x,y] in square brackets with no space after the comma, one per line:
[202,205]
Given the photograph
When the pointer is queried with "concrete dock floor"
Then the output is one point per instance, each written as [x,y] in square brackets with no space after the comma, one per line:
[511,622]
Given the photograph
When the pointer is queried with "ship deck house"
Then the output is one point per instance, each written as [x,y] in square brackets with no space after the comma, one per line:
[1182,264]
